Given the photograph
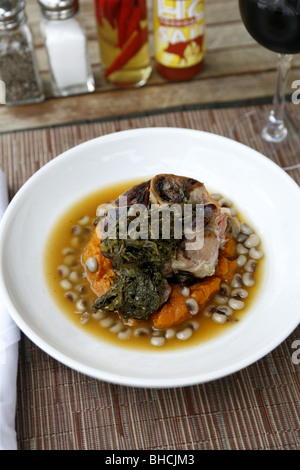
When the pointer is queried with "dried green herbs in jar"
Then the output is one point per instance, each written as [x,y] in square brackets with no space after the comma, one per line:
[18,67]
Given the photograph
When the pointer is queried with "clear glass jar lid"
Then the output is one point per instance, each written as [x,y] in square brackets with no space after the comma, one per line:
[12,14]
[59,9]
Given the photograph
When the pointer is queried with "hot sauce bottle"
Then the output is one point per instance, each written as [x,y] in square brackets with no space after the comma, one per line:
[179,38]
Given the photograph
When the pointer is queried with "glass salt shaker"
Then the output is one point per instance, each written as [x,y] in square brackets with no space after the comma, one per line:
[66,47]
[19,76]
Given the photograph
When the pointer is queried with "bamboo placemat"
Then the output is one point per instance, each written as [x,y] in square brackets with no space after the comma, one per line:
[61,409]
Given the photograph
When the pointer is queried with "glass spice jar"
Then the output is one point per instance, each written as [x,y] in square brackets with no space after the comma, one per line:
[66,46]
[123,41]
[19,73]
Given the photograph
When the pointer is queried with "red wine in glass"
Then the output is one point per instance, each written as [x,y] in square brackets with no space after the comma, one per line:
[275,25]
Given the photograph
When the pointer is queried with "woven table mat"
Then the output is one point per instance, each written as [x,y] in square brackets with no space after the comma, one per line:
[61,409]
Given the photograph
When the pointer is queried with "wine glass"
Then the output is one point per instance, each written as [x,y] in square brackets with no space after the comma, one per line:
[275,24]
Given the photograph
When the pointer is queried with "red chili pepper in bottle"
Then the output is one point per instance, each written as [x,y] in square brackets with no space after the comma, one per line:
[102,4]
[130,49]
[124,16]
[143,8]
[133,23]
[99,10]
[111,11]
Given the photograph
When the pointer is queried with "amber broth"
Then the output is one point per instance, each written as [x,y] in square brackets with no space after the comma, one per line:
[60,239]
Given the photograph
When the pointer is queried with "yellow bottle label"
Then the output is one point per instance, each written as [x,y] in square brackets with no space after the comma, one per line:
[179,34]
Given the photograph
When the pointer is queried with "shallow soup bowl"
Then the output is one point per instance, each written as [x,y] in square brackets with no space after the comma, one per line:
[258,187]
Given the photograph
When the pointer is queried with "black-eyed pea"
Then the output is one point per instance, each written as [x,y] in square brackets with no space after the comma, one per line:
[220,299]
[71,296]
[76,230]
[241,260]
[107,322]
[250,266]
[246,229]
[185,291]
[252,241]
[63,270]
[193,324]
[81,305]
[236,304]
[237,280]
[66,284]
[91,264]
[225,310]
[239,293]
[124,334]
[99,315]
[170,333]
[209,310]
[255,253]
[219,317]
[116,327]
[84,220]
[141,332]
[74,276]
[241,249]
[157,340]
[192,306]
[184,334]
[248,279]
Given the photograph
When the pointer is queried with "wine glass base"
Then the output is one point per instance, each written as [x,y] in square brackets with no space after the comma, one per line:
[283,148]
[274,135]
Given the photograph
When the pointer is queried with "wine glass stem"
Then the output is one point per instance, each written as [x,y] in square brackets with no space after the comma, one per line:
[275,130]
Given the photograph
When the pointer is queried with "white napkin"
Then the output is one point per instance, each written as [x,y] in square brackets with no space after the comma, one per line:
[9,337]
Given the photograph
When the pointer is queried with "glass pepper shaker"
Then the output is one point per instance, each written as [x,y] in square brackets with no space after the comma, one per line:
[19,76]
[66,47]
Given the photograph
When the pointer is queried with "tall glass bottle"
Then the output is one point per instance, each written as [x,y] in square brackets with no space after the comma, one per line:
[123,41]
[179,38]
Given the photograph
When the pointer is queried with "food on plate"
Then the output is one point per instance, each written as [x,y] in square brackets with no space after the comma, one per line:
[160,259]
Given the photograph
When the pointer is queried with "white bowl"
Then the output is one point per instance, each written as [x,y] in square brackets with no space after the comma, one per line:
[267,196]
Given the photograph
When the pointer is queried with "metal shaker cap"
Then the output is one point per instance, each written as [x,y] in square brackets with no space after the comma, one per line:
[12,14]
[59,9]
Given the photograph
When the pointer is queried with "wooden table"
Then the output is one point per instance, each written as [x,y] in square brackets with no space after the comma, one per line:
[237,70]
